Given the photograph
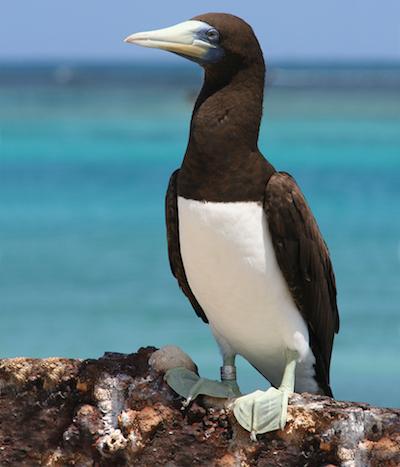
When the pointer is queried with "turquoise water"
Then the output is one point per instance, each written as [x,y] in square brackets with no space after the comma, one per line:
[85,158]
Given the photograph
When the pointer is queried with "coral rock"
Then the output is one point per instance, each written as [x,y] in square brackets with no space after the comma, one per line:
[118,411]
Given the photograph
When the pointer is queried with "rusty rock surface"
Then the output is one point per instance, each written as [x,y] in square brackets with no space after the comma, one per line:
[117,411]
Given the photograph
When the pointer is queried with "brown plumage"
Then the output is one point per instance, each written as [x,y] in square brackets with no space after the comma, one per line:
[174,251]
[223,164]
[303,258]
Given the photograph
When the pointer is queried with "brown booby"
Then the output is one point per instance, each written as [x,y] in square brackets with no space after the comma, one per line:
[243,243]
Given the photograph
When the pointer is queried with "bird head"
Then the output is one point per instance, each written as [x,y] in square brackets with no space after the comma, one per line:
[212,39]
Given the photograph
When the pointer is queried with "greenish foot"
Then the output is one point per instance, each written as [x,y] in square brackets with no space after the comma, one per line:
[189,385]
[264,411]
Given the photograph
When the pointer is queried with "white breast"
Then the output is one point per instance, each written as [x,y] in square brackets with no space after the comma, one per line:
[232,271]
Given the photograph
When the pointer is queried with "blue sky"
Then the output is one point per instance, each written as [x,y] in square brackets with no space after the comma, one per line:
[287,29]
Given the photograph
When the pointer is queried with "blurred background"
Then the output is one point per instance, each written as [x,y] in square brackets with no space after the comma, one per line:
[91,128]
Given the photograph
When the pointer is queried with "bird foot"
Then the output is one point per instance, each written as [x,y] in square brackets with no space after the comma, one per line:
[262,411]
[189,385]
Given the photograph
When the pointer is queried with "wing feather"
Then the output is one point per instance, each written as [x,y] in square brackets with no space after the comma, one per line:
[174,251]
[304,260]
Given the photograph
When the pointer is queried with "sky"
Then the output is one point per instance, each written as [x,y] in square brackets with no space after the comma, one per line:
[329,30]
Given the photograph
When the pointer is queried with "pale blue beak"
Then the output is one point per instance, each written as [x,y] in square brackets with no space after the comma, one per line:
[188,39]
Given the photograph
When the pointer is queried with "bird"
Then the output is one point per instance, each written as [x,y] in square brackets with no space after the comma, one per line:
[243,243]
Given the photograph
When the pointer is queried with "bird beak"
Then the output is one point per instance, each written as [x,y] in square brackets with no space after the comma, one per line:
[184,39]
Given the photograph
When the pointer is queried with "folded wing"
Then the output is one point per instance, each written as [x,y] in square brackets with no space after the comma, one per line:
[305,263]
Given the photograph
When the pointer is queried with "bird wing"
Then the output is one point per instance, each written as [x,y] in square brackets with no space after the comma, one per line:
[174,251]
[303,258]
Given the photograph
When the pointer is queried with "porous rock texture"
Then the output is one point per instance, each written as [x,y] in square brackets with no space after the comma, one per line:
[118,411]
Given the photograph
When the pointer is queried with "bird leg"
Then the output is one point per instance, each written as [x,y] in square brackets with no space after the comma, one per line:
[189,385]
[263,411]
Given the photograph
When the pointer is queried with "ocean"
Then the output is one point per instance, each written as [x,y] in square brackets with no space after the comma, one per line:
[86,152]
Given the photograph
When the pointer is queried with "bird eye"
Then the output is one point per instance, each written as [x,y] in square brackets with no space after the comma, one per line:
[213,35]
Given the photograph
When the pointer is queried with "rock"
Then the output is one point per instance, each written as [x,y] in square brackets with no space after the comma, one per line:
[169,357]
[118,411]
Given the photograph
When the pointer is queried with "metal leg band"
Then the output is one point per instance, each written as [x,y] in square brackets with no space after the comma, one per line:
[228,373]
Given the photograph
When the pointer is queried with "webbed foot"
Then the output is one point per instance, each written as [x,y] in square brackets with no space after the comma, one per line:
[262,411]
[189,385]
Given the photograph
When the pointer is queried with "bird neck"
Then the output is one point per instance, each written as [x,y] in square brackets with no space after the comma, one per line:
[223,142]
[228,110]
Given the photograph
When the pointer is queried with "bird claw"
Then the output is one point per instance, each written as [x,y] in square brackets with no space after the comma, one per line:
[186,403]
